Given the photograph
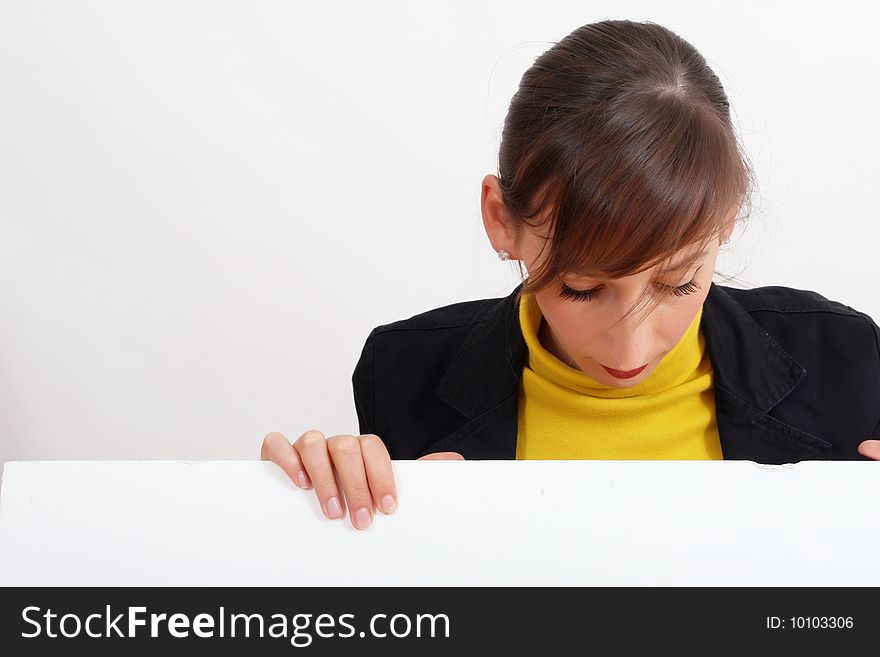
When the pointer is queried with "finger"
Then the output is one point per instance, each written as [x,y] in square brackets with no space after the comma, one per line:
[345,450]
[870,448]
[312,450]
[442,456]
[277,448]
[380,474]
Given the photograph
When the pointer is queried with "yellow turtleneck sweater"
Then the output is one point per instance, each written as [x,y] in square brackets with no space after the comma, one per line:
[566,414]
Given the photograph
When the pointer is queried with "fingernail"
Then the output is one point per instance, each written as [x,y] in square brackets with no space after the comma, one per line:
[302,480]
[333,508]
[362,518]
[388,504]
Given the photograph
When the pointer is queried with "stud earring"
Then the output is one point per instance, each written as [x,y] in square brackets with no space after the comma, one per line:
[503,255]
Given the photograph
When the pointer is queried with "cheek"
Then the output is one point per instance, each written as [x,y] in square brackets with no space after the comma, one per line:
[679,317]
[567,320]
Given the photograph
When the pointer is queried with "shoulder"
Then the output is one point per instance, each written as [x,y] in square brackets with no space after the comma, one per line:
[838,348]
[452,316]
[837,344]
[433,336]
[802,312]
[786,300]
[427,341]
[435,330]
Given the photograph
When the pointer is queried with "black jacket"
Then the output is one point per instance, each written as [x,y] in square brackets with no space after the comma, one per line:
[796,376]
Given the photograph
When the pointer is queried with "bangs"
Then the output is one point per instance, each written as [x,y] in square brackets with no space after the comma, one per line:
[661,175]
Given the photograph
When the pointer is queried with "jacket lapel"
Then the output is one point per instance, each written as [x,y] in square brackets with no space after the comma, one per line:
[751,374]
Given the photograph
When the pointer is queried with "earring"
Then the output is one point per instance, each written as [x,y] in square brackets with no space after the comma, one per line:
[503,255]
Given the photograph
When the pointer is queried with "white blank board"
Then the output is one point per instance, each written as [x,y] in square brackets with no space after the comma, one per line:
[584,523]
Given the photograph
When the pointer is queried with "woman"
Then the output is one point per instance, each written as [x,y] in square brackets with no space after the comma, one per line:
[619,179]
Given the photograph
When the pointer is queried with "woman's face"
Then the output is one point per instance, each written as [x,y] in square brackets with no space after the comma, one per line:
[582,332]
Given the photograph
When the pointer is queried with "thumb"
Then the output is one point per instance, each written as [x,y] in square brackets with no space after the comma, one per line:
[870,448]
[444,456]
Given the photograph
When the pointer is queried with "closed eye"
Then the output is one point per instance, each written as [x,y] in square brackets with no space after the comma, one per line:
[586,295]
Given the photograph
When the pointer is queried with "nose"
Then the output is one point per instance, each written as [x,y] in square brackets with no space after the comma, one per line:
[627,346]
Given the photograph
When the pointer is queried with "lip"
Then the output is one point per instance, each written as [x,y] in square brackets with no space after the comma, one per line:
[625,375]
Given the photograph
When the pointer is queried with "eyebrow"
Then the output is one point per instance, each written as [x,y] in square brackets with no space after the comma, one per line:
[678,266]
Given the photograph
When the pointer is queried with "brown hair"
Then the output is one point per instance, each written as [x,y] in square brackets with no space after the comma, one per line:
[620,136]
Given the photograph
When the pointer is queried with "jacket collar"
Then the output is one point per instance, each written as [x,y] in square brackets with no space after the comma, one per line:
[751,374]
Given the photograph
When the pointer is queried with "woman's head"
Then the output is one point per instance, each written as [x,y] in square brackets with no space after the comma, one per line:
[617,161]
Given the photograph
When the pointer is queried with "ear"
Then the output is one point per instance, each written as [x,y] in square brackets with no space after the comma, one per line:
[495,219]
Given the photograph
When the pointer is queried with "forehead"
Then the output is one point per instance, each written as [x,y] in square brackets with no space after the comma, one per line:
[679,262]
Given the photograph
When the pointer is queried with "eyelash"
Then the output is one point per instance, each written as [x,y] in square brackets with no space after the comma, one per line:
[586,295]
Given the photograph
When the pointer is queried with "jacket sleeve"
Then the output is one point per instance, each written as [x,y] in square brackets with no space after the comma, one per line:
[876,432]
[362,386]
[874,358]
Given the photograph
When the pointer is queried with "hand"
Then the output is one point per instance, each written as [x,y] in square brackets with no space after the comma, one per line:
[442,456]
[362,463]
[870,448]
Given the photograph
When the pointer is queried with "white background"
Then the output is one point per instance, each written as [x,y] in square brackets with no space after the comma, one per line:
[207,206]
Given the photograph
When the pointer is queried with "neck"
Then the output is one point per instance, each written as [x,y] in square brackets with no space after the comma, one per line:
[548,341]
